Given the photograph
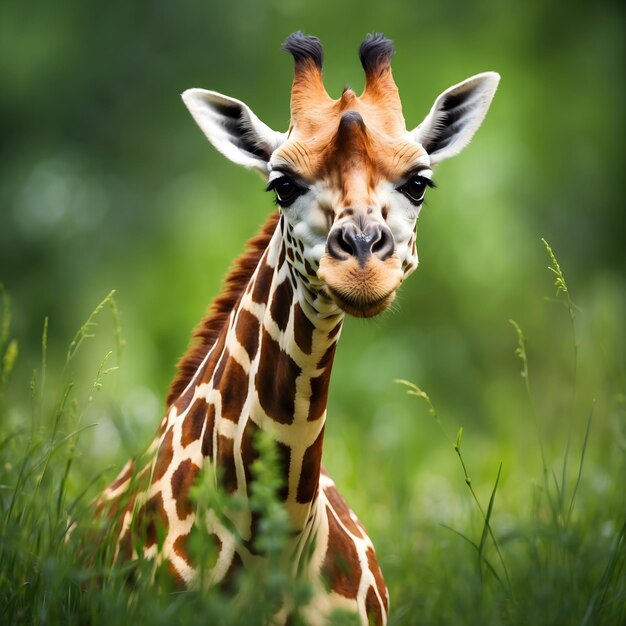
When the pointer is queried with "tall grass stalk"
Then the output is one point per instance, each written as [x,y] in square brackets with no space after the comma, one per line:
[86,330]
[557,490]
[487,530]
[562,288]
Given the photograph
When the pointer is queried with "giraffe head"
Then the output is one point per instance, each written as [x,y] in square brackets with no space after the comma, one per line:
[348,176]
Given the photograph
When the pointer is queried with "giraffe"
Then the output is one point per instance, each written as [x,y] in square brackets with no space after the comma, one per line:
[349,180]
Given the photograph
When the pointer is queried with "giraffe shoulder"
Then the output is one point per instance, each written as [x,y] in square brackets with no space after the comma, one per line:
[350,558]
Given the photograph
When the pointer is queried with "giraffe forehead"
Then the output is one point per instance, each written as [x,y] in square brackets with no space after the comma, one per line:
[384,160]
[339,143]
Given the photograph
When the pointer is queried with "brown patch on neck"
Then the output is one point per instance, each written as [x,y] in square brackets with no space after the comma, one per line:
[320,384]
[209,329]
[275,381]
[309,481]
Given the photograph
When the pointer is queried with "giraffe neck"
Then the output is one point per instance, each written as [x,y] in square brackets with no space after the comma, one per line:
[269,370]
[266,368]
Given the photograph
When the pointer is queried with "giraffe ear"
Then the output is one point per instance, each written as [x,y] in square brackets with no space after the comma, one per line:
[233,128]
[456,116]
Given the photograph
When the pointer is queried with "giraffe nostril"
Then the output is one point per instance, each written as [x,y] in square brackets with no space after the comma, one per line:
[337,246]
[384,246]
[345,245]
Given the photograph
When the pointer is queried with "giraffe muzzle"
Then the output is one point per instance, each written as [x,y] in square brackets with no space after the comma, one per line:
[360,240]
[361,268]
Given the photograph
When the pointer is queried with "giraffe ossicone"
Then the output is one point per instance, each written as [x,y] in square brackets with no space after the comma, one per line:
[349,181]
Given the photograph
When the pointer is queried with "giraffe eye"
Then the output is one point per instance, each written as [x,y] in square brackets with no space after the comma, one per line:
[415,188]
[286,190]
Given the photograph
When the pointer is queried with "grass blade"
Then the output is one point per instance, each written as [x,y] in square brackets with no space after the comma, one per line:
[580,467]
[483,559]
[489,511]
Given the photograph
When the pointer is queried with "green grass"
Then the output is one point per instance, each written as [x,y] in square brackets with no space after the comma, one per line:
[530,543]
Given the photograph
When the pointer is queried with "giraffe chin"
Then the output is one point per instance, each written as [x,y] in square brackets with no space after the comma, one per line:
[361,291]
[359,308]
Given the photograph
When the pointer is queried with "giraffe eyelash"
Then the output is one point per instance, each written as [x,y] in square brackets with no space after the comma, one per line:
[287,190]
[414,188]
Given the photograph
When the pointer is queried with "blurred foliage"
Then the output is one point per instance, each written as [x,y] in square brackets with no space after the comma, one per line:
[106,183]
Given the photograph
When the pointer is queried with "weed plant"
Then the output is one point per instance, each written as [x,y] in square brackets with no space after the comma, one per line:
[556,558]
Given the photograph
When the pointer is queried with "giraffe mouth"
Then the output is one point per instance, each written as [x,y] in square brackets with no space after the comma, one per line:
[361,308]
[361,291]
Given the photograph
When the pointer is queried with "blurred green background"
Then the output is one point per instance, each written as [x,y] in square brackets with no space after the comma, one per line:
[106,183]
